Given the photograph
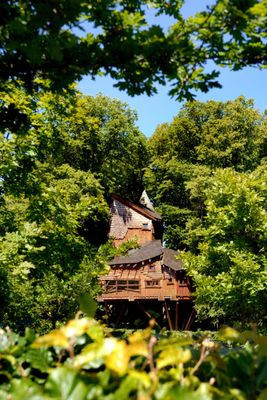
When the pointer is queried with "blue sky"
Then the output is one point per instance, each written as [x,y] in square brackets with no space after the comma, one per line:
[250,82]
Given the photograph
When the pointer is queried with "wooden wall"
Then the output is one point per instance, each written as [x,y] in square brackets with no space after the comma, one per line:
[127,224]
[149,281]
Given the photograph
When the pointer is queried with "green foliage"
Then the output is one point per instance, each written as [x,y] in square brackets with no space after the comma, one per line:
[166,182]
[207,177]
[82,360]
[60,159]
[103,138]
[50,41]
[63,154]
[227,257]
[215,134]
[90,134]
[201,138]
[44,264]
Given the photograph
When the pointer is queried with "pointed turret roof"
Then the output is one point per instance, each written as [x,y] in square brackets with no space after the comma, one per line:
[145,201]
[142,209]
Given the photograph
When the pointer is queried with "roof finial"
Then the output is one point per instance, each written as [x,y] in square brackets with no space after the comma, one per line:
[145,201]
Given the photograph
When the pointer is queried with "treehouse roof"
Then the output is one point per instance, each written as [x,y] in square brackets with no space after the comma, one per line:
[170,260]
[148,252]
[140,208]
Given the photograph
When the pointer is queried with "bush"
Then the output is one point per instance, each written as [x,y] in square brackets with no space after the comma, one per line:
[83,361]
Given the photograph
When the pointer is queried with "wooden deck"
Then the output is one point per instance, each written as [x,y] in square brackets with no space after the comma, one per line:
[144,282]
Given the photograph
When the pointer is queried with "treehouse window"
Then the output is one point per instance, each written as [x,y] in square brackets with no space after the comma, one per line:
[145,226]
[133,285]
[120,285]
[153,283]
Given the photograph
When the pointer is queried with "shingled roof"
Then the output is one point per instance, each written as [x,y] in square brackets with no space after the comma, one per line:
[149,251]
[170,260]
[138,207]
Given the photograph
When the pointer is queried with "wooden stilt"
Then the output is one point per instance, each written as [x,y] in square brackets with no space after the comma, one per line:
[190,320]
[122,310]
[147,313]
[168,315]
[185,319]
[176,315]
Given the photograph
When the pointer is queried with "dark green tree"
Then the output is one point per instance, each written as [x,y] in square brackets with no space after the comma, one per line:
[91,134]
[215,134]
[201,138]
[63,41]
[227,257]
[58,165]
[45,264]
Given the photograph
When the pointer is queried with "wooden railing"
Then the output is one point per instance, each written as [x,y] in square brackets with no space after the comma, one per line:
[120,285]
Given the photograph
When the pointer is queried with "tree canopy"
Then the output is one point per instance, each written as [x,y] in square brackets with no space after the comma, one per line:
[207,176]
[201,138]
[63,41]
[227,257]
[60,160]
[62,154]
[216,134]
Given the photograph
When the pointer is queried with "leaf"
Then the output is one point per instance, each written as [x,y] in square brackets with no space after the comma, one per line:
[65,384]
[117,360]
[54,338]
[134,381]
[39,359]
[228,333]
[96,333]
[22,389]
[77,327]
[9,358]
[173,357]
[95,353]
[60,337]
[87,304]
[92,354]
[203,392]
[139,335]
[138,349]
[263,395]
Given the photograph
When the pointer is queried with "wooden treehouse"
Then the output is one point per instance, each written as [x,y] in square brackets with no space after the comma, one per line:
[149,281]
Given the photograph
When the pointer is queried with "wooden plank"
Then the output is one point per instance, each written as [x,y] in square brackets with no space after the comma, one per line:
[176,315]
[190,320]
[147,313]
[168,315]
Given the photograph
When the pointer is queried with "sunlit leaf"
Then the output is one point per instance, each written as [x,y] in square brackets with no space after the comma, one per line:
[76,327]
[54,338]
[173,357]
[117,360]
[138,349]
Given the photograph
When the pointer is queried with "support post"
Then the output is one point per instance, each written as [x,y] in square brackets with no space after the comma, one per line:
[190,320]
[147,313]
[168,315]
[176,315]
[122,310]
